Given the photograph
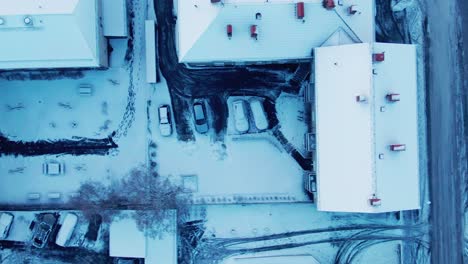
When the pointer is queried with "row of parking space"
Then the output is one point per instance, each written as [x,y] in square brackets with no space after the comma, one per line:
[248,116]
[48,229]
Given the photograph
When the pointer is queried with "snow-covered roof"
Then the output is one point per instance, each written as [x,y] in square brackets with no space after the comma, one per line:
[59,34]
[125,240]
[352,135]
[114,16]
[202,29]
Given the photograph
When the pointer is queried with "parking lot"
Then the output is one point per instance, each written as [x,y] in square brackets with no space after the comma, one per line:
[252,165]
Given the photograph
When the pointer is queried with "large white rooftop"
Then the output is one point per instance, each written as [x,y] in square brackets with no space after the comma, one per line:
[59,34]
[202,29]
[352,135]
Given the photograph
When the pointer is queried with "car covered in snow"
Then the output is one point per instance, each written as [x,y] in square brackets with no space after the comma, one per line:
[6,219]
[66,229]
[258,113]
[165,125]
[241,122]
[199,115]
[53,168]
[42,229]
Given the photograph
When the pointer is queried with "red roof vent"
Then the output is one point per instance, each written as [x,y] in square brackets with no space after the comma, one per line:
[393,97]
[361,98]
[398,147]
[328,4]
[374,201]
[254,31]
[379,57]
[229,30]
[300,10]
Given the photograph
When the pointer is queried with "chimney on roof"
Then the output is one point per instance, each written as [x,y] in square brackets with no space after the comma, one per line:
[379,57]
[328,4]
[254,31]
[398,147]
[354,9]
[361,98]
[393,97]
[300,10]
[374,201]
[229,31]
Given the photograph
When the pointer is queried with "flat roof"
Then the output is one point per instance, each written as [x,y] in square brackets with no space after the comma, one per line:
[351,134]
[125,240]
[61,34]
[202,37]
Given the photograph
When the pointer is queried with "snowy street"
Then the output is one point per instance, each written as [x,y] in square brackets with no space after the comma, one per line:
[447,134]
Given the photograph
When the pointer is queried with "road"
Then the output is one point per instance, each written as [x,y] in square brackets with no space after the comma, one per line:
[445,116]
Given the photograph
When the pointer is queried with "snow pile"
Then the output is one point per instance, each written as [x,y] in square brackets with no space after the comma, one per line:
[290,111]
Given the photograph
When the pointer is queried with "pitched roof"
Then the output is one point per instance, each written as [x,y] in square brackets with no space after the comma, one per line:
[61,34]
[202,26]
[351,135]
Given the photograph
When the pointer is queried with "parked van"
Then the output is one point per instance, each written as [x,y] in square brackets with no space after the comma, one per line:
[259,115]
[66,230]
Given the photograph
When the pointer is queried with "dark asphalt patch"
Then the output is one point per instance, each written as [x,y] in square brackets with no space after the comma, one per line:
[21,75]
[219,109]
[76,146]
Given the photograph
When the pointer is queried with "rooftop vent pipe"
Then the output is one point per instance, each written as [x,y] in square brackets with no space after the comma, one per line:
[328,4]
[300,10]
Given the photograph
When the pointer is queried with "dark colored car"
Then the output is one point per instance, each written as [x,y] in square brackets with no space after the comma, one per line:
[199,114]
[93,227]
[42,229]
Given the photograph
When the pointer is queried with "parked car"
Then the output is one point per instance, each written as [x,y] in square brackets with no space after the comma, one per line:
[199,114]
[258,113]
[66,229]
[241,123]
[53,168]
[42,230]
[6,219]
[93,227]
[165,125]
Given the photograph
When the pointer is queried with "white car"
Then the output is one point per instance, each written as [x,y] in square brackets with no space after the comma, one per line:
[241,123]
[66,229]
[6,219]
[259,115]
[53,168]
[165,126]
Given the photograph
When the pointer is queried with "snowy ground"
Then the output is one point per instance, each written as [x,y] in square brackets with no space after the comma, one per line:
[250,165]
[31,110]
[242,169]
[232,228]
[291,115]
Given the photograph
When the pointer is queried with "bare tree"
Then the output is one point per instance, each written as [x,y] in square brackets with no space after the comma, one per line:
[148,194]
